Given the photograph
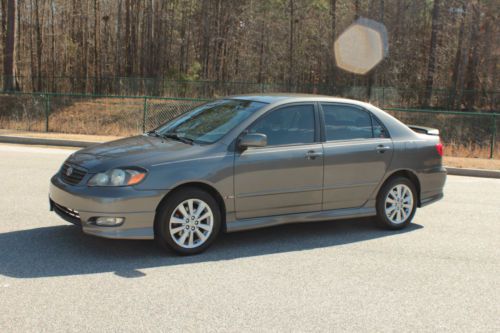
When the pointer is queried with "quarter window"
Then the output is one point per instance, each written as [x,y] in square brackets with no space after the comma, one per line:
[379,131]
[288,125]
[343,122]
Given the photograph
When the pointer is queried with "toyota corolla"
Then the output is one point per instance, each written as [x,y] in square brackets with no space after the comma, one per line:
[248,162]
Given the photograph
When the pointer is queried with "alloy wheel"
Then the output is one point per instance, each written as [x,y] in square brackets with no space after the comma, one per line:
[191,223]
[399,204]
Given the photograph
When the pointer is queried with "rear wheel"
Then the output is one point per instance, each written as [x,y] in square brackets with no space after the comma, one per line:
[396,203]
[188,222]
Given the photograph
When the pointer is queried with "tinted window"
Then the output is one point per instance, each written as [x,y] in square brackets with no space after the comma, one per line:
[344,122]
[287,125]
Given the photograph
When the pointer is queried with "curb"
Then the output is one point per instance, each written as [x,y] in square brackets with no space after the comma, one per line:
[473,172]
[46,142]
[83,144]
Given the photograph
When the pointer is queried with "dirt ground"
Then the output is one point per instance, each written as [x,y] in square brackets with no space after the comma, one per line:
[472,163]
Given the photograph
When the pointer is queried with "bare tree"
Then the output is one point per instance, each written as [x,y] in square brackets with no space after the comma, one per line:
[431,65]
[279,44]
[9,24]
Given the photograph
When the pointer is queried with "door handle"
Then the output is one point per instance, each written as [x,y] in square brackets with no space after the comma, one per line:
[381,148]
[311,154]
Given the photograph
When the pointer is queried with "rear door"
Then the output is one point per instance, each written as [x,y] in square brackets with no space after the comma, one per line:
[286,176]
[358,151]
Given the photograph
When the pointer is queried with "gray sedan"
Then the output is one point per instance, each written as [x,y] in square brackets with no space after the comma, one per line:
[248,162]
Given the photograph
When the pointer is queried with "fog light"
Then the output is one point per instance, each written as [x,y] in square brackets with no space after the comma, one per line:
[109,221]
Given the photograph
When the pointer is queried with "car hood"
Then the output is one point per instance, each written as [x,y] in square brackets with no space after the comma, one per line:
[141,150]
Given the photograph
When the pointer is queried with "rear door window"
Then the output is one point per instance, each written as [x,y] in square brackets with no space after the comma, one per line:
[344,122]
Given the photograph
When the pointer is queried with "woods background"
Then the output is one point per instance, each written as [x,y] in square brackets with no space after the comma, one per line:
[92,46]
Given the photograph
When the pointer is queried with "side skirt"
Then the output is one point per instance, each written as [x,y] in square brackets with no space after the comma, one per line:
[327,215]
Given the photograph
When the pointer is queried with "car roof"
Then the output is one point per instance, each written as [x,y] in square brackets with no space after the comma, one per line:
[272,98]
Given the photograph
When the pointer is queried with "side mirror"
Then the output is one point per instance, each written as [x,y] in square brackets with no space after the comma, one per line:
[253,140]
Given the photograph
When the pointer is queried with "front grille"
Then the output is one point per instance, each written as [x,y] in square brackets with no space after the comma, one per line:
[66,213]
[75,177]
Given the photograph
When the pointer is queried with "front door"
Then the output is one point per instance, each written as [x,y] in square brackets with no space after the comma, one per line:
[286,176]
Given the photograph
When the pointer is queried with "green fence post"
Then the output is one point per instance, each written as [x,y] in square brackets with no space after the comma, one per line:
[493,137]
[144,114]
[47,111]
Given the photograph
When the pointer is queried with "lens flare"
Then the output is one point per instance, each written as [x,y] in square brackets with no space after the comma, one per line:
[361,46]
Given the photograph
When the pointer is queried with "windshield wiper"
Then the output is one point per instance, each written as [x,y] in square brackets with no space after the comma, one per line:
[175,136]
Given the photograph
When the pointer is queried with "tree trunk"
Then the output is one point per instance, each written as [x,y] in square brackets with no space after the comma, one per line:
[86,48]
[18,47]
[128,37]
[39,46]
[53,45]
[182,52]
[471,74]
[457,68]
[97,33]
[333,35]
[118,49]
[4,18]
[291,45]
[261,54]
[32,56]
[206,38]
[431,65]
[463,63]
[8,55]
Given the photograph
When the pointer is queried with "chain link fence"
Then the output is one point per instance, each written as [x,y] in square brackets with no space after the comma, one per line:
[23,111]
[89,114]
[468,134]
[385,96]
[158,110]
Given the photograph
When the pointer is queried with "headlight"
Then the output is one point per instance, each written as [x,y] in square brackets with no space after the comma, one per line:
[118,177]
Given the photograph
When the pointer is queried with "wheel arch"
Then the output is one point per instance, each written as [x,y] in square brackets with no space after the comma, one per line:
[203,186]
[408,174]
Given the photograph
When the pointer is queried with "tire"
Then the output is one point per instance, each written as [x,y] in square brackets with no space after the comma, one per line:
[396,203]
[188,231]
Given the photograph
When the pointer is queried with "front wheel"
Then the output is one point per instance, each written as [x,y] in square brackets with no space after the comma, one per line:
[396,203]
[188,222]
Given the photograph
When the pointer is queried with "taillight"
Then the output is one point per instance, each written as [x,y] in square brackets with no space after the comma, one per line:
[439,148]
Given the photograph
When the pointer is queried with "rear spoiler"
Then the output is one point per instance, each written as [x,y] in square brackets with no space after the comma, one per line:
[424,130]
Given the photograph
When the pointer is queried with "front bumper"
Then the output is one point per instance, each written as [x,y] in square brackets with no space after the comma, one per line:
[80,205]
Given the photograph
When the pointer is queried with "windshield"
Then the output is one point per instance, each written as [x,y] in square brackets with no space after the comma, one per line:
[210,122]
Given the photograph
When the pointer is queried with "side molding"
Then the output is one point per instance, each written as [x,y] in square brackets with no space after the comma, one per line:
[269,221]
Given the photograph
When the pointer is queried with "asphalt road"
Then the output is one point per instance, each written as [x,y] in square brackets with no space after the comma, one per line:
[440,274]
